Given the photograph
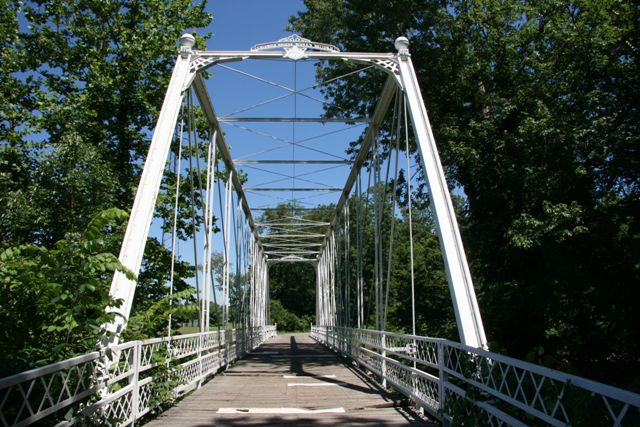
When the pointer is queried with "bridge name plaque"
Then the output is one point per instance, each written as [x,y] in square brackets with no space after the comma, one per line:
[295,47]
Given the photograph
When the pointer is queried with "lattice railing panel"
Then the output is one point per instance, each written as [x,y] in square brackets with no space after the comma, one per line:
[495,389]
[28,397]
[210,363]
[119,411]
[124,391]
[145,391]
[122,360]
[182,346]
[211,340]
[427,389]
[151,352]
[551,396]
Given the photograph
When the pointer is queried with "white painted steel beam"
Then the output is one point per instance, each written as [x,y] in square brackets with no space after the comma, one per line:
[290,245]
[286,209]
[288,236]
[463,294]
[292,162]
[209,112]
[141,216]
[379,113]
[292,120]
[327,190]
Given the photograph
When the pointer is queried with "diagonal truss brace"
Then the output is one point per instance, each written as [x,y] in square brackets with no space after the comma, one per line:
[135,238]
[463,294]
[401,75]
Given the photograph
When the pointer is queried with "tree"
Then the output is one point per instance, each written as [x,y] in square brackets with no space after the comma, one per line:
[53,300]
[534,110]
[82,84]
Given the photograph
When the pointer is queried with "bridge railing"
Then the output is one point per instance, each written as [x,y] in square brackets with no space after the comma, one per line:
[122,383]
[449,379]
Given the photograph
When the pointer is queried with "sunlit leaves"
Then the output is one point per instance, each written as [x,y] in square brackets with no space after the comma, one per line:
[53,300]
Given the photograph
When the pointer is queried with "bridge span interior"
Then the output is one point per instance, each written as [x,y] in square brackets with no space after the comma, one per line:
[287,178]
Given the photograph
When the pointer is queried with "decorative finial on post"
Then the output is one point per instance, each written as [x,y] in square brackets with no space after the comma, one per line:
[186,43]
[402,44]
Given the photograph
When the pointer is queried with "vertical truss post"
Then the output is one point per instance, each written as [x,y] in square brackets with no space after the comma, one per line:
[359,284]
[137,231]
[470,325]
[339,285]
[377,212]
[237,238]
[347,268]
[227,252]
[320,286]
[208,241]
[265,309]
[333,280]
[318,320]
[255,275]
[267,320]
[322,281]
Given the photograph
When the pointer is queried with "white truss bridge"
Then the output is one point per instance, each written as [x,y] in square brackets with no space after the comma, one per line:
[120,383]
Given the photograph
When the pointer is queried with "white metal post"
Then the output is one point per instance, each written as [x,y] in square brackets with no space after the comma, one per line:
[208,240]
[463,294]
[383,342]
[317,266]
[227,252]
[133,380]
[252,284]
[137,231]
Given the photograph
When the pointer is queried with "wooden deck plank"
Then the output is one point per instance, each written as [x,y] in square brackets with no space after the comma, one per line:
[258,381]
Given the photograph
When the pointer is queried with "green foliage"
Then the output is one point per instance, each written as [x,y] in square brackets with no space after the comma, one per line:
[152,321]
[155,274]
[239,290]
[534,108]
[82,85]
[167,377]
[53,300]
[294,284]
[286,320]
[83,82]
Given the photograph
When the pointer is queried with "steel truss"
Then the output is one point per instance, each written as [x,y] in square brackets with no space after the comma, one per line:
[401,77]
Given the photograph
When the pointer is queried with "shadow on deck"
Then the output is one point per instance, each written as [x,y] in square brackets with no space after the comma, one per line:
[291,380]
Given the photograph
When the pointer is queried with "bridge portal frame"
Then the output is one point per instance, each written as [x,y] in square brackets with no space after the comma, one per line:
[401,76]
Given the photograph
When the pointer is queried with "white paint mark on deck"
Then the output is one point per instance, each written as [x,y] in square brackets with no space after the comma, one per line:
[280,411]
[308,376]
[315,384]
[305,356]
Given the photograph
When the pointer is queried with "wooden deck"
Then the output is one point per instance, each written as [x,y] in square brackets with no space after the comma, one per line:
[291,380]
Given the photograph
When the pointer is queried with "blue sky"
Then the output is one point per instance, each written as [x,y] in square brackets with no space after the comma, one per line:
[234,87]
[239,24]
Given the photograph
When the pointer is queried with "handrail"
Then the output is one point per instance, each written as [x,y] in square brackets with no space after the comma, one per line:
[436,372]
[123,394]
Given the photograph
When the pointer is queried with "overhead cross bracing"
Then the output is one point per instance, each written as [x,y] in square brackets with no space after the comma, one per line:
[293,161]
[285,168]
